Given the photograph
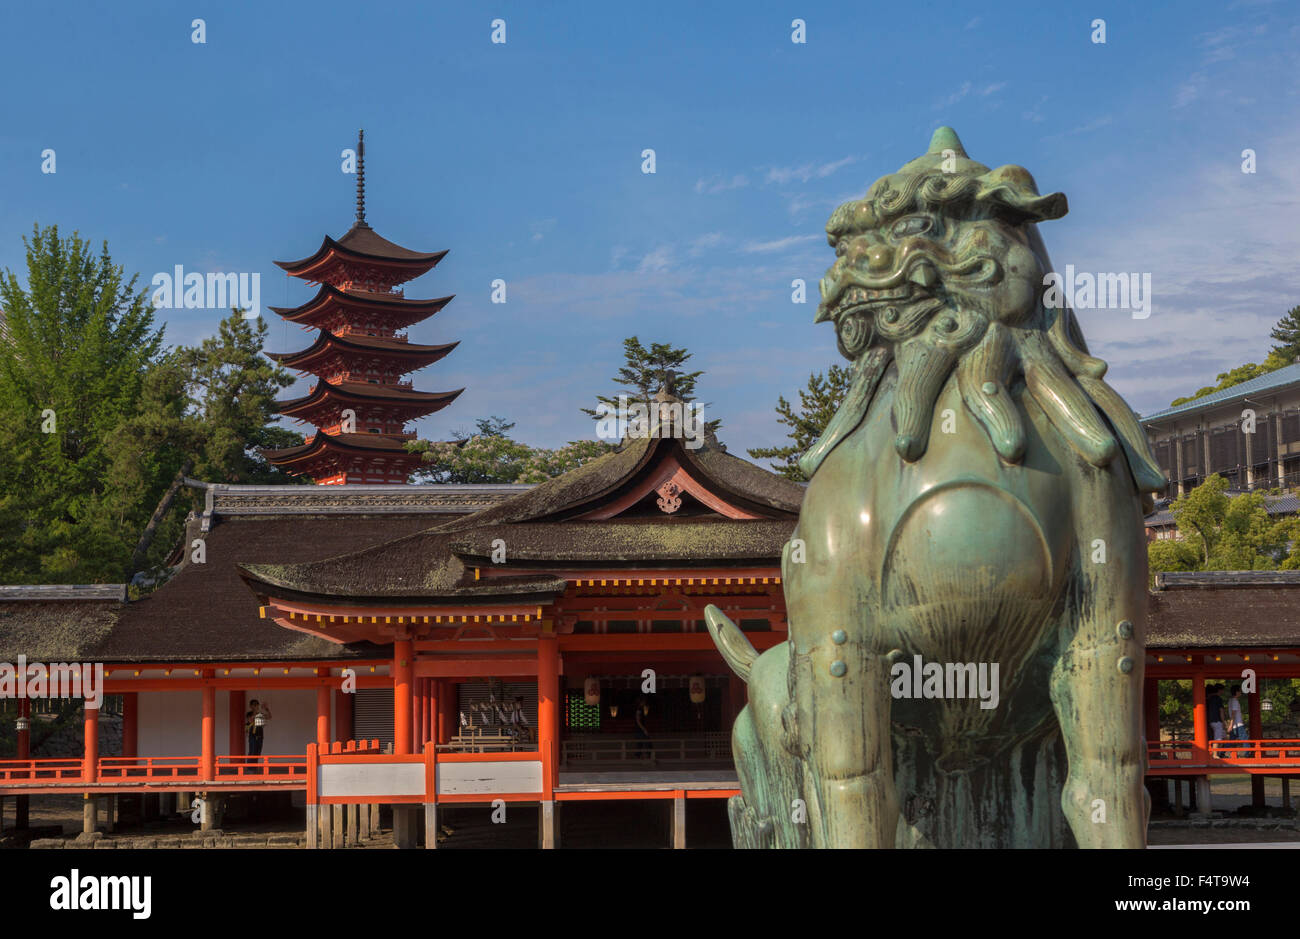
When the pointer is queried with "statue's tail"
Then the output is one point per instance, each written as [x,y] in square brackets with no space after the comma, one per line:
[731,642]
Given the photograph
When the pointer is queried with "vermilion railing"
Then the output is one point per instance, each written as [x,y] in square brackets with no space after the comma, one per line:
[52,770]
[138,769]
[1231,752]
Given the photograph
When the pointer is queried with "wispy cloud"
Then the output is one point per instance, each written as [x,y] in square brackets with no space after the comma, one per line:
[713,184]
[657,261]
[780,244]
[785,174]
[968,88]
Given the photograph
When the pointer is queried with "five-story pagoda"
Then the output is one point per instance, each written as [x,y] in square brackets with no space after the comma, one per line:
[360,404]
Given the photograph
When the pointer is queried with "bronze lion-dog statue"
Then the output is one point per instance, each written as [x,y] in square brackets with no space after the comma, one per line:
[966,585]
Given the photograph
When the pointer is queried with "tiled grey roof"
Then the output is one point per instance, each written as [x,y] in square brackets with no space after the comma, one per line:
[1289,375]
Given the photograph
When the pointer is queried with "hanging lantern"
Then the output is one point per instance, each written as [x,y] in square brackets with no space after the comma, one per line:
[22,724]
[613,710]
[591,692]
[697,689]
[1266,705]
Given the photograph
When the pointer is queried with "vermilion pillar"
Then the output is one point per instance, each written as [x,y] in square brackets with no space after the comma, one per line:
[343,715]
[402,668]
[323,716]
[430,713]
[208,755]
[90,758]
[1200,726]
[131,723]
[421,712]
[238,708]
[548,711]
[1151,708]
[446,709]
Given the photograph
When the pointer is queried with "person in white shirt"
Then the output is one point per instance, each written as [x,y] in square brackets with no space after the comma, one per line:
[1237,729]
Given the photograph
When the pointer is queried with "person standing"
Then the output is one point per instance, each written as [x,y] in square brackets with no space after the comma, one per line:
[253,728]
[1238,731]
[1214,713]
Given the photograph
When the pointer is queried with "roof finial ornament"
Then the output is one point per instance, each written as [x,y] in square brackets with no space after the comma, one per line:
[361,177]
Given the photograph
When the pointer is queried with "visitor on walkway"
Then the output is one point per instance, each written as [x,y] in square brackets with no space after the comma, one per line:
[1214,713]
[253,728]
[642,733]
[1238,730]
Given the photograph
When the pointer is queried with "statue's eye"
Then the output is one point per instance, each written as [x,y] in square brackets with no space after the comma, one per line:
[912,225]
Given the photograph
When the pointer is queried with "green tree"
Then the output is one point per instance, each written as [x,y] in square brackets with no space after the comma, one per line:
[1287,336]
[1219,532]
[648,372]
[817,405]
[491,456]
[82,343]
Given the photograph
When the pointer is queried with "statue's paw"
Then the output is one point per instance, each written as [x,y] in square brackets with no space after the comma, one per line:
[748,829]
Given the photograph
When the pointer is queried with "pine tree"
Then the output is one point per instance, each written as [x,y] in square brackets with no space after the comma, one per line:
[649,371]
[817,405]
[1287,336]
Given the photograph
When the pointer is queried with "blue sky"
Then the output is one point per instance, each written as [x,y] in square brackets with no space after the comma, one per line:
[524,159]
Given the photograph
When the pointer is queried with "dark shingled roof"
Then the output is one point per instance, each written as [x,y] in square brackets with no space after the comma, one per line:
[1250,616]
[685,543]
[206,613]
[579,489]
[55,630]
[426,566]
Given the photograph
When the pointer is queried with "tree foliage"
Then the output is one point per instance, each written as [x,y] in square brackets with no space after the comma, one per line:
[817,405]
[492,456]
[98,419]
[646,372]
[1222,532]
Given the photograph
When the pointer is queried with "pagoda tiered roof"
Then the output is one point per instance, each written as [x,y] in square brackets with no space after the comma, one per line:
[326,399]
[362,350]
[361,246]
[360,405]
[332,307]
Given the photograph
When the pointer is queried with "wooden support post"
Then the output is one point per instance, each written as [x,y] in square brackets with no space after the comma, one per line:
[1286,792]
[336,840]
[1204,804]
[363,823]
[402,669]
[679,821]
[313,825]
[326,826]
[323,716]
[89,814]
[110,813]
[208,811]
[405,825]
[208,753]
[549,828]
[352,839]
[1178,796]
[374,819]
[431,825]
[238,740]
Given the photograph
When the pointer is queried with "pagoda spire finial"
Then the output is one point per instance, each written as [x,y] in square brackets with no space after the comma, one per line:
[361,177]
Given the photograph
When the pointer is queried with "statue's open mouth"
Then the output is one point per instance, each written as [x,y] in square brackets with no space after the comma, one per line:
[920,278]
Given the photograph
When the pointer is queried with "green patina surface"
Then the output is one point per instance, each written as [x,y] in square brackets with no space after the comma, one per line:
[976,506]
